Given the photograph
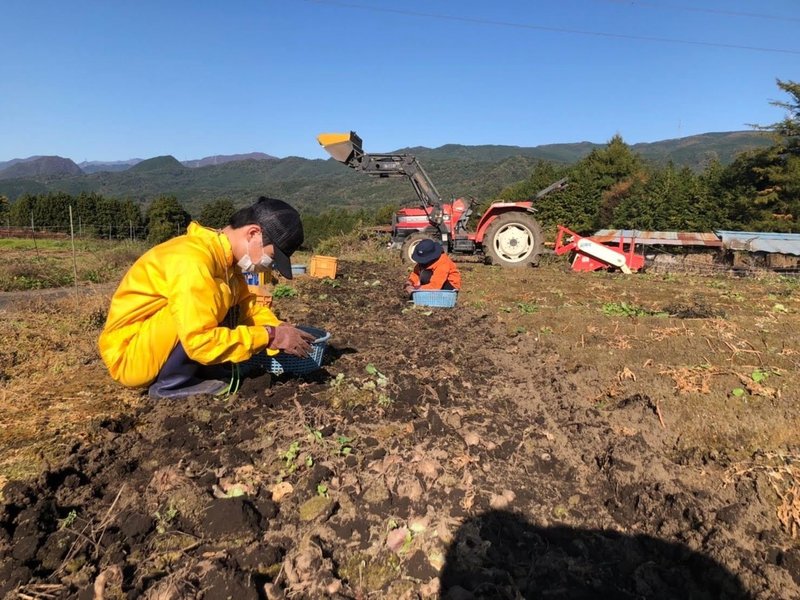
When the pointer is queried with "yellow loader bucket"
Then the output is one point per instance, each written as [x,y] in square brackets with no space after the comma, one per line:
[341,146]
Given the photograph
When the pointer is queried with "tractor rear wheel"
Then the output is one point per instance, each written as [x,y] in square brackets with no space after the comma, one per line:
[514,239]
[411,242]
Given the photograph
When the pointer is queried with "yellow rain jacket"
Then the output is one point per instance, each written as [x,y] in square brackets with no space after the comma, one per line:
[181,290]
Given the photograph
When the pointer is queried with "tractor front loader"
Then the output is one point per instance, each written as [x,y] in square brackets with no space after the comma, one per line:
[507,233]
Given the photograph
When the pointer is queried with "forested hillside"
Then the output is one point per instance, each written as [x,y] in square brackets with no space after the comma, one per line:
[613,185]
[316,185]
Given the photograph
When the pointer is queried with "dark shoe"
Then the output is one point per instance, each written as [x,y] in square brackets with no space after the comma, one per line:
[211,387]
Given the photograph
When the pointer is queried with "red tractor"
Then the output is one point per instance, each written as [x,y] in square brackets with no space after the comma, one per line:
[507,234]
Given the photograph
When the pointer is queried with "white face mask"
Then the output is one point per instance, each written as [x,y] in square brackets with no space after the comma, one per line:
[247,265]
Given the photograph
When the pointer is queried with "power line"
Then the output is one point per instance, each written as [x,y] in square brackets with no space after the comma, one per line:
[712,11]
[550,29]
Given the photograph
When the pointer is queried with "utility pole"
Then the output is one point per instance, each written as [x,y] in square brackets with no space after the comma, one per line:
[74,260]
[33,235]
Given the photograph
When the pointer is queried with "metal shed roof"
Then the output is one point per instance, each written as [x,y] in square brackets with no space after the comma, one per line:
[657,238]
[759,241]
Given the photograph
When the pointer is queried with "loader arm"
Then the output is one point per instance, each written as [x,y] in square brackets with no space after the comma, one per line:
[553,187]
[346,148]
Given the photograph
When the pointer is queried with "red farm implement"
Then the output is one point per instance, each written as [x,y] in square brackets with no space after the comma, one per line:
[589,255]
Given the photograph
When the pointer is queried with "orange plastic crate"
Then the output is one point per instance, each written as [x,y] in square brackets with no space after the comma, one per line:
[323,266]
[258,284]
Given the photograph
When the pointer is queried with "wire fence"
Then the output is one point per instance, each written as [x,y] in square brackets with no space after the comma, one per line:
[39,271]
[80,230]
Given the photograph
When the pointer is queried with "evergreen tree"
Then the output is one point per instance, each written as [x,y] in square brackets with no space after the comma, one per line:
[763,186]
[782,172]
[622,203]
[714,206]
[108,218]
[131,214]
[20,211]
[543,174]
[702,213]
[338,221]
[602,170]
[166,218]
[590,199]
[45,211]
[4,211]
[788,130]
[216,214]
[669,199]
[383,215]
[552,209]
[86,213]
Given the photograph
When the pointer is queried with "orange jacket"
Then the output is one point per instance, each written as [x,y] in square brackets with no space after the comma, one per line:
[444,269]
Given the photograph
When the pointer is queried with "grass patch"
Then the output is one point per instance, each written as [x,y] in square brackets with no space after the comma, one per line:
[362,243]
[53,385]
[283,290]
[623,309]
[49,263]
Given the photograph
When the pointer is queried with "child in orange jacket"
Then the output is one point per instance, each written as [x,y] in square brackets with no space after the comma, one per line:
[434,269]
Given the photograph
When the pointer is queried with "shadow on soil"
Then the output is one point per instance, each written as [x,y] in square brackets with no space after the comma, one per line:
[500,555]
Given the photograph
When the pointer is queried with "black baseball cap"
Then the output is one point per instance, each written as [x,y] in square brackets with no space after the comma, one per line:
[280,226]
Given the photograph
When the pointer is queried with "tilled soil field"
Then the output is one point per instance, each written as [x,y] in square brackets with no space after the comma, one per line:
[438,453]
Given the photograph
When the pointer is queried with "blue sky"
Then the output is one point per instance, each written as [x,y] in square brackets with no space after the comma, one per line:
[112,80]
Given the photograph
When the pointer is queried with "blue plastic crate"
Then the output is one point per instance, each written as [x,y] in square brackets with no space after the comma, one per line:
[295,365]
[251,278]
[298,270]
[438,298]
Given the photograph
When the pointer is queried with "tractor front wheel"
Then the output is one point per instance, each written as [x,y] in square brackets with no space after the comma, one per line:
[411,242]
[514,239]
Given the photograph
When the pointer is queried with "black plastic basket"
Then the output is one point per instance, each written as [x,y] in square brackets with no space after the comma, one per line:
[295,365]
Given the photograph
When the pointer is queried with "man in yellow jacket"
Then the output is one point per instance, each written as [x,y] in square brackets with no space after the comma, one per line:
[164,327]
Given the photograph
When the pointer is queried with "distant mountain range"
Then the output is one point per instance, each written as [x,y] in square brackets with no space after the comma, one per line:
[318,184]
[95,166]
[54,166]
[221,159]
[39,166]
